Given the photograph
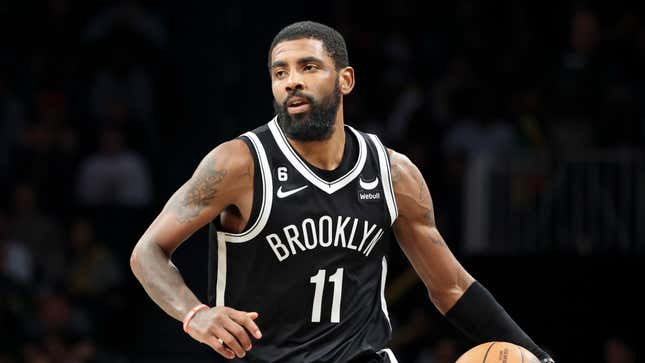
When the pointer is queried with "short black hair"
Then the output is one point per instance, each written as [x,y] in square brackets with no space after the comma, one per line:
[332,40]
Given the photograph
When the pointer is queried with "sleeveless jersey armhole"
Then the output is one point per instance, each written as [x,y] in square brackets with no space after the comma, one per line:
[215,229]
[386,177]
[257,184]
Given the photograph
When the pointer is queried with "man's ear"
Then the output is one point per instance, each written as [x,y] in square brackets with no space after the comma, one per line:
[346,80]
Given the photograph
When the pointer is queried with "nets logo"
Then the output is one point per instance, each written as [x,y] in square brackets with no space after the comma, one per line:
[369,196]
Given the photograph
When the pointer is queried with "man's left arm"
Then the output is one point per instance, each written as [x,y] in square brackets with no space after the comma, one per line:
[456,294]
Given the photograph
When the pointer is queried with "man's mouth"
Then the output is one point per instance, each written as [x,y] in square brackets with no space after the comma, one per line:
[297,105]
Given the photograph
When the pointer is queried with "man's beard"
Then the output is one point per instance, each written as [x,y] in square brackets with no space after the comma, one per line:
[315,125]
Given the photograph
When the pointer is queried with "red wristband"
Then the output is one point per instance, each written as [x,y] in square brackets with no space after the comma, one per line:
[192,313]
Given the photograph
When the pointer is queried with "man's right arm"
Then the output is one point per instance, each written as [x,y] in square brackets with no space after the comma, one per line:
[217,183]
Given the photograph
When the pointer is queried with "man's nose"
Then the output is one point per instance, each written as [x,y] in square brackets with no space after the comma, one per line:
[294,82]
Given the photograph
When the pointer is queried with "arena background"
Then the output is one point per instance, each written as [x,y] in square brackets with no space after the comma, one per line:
[525,117]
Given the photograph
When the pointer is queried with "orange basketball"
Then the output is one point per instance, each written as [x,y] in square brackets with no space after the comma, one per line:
[497,352]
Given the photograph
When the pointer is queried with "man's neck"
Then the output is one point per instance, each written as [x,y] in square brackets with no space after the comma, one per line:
[326,154]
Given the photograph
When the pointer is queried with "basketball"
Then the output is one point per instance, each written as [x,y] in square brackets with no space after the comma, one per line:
[498,352]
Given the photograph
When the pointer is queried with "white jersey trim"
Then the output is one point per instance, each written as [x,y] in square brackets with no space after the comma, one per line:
[383,302]
[267,195]
[386,177]
[390,355]
[301,166]
[220,287]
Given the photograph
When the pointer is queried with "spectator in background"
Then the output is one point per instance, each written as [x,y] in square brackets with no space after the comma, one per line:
[476,139]
[478,129]
[13,294]
[92,269]
[619,106]
[477,132]
[122,93]
[57,331]
[115,175]
[16,261]
[130,16]
[526,110]
[458,75]
[578,85]
[47,153]
[16,258]
[581,71]
[624,97]
[40,234]
[401,117]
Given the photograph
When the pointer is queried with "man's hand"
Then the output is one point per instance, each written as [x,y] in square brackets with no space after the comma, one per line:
[225,330]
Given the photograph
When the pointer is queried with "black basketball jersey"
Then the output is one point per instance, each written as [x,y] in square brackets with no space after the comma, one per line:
[312,260]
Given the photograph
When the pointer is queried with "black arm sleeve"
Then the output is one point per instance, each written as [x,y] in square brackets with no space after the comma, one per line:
[478,315]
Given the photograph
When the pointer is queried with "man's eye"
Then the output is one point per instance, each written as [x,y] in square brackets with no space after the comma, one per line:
[309,67]
[280,74]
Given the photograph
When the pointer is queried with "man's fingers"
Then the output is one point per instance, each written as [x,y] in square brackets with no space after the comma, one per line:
[215,343]
[246,320]
[230,341]
[238,332]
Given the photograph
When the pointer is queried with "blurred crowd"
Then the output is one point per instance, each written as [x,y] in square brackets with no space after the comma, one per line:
[80,125]
[497,79]
[87,102]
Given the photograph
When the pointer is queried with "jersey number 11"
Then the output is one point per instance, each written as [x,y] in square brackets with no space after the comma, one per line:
[319,280]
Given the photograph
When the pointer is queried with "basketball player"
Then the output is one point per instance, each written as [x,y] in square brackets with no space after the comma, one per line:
[297,209]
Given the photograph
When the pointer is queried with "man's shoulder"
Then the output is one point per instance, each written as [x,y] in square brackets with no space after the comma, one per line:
[234,154]
[403,171]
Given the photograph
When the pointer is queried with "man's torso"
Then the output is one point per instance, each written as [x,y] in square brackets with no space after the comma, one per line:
[311,260]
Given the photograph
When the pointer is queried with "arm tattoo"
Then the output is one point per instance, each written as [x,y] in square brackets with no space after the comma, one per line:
[395,173]
[195,195]
[429,217]
[435,238]
[421,183]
